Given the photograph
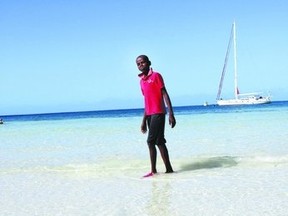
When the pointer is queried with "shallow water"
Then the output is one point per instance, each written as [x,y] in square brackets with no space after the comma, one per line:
[227,162]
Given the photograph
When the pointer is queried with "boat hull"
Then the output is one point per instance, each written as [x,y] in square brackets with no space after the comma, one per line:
[244,101]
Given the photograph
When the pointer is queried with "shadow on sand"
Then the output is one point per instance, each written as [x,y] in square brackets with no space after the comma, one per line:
[209,163]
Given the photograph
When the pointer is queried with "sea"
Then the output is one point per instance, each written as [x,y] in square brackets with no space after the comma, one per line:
[227,161]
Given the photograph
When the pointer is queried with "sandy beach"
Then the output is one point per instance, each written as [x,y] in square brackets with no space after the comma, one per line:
[233,189]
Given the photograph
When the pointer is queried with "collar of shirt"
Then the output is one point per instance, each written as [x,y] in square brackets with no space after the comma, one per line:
[143,77]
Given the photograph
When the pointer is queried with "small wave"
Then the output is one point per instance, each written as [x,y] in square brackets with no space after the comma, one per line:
[264,160]
[125,167]
[109,167]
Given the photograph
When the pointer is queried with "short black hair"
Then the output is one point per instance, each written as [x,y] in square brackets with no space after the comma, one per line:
[145,57]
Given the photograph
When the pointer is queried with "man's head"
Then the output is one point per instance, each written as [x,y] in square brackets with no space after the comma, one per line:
[143,64]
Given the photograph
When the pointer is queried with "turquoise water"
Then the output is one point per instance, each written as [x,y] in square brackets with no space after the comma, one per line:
[59,139]
[83,163]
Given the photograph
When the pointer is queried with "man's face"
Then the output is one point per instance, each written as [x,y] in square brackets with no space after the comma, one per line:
[143,65]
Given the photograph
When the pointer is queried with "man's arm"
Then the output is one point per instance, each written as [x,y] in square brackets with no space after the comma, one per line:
[144,123]
[172,120]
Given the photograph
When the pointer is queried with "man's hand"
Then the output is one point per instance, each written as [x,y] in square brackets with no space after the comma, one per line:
[172,121]
[144,127]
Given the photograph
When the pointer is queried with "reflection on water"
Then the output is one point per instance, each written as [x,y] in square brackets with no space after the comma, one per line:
[160,199]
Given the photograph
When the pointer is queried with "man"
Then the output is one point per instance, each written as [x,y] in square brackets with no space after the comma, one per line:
[155,97]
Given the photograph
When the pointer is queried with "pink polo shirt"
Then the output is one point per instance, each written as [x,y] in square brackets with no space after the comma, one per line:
[151,86]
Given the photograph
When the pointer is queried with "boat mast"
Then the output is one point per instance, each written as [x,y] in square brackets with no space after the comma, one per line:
[235,62]
[225,64]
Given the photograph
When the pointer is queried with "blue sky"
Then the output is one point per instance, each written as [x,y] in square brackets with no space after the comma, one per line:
[75,55]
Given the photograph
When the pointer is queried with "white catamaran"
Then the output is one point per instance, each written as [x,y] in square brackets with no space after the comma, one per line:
[240,99]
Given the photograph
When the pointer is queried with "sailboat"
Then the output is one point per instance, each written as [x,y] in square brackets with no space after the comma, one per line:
[239,99]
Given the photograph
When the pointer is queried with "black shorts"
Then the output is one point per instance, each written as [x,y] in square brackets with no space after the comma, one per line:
[156,125]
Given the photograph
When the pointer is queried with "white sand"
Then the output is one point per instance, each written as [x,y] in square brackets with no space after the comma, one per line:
[235,189]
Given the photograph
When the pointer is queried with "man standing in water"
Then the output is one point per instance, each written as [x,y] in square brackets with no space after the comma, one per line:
[155,94]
